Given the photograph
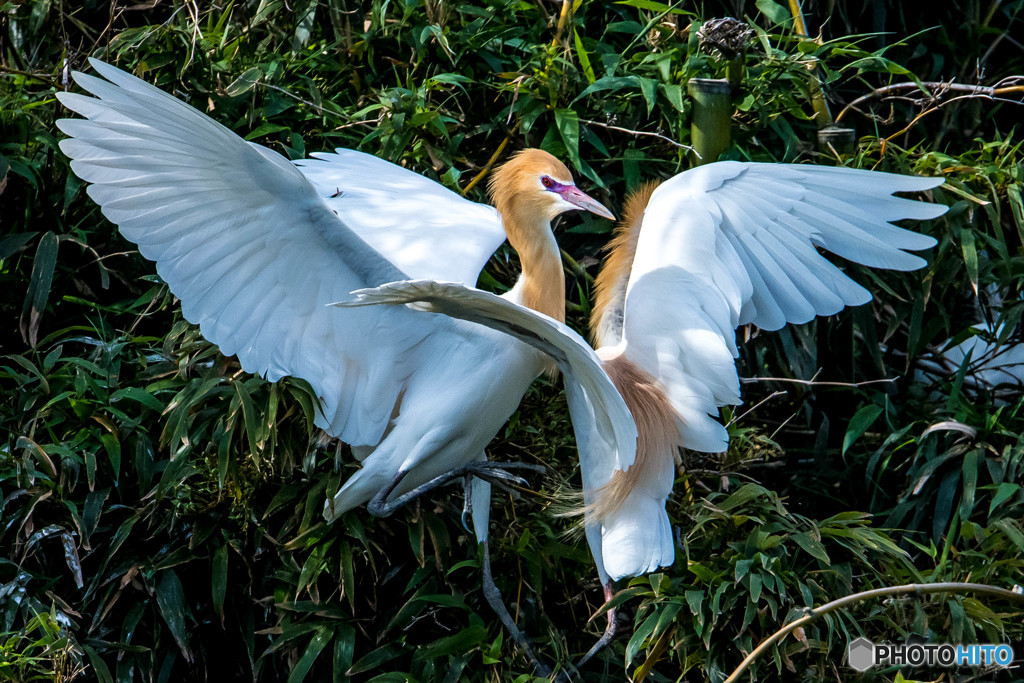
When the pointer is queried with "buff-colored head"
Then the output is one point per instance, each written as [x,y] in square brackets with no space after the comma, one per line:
[534,186]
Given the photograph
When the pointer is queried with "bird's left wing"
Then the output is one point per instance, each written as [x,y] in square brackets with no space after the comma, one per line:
[241,237]
[605,431]
[406,216]
[732,243]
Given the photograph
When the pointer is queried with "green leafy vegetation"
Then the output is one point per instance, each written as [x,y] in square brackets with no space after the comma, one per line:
[160,510]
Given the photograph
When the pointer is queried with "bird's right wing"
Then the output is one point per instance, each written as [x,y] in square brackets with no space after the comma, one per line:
[242,238]
[732,243]
[405,216]
[605,431]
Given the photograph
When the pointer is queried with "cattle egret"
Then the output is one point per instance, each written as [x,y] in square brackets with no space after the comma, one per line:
[256,247]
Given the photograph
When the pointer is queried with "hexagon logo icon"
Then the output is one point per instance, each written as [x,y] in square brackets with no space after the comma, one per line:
[861,654]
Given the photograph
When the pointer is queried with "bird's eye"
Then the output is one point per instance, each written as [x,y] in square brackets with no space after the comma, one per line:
[547,182]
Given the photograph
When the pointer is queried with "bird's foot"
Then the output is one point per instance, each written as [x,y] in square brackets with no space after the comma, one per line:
[381,505]
[609,629]
[493,597]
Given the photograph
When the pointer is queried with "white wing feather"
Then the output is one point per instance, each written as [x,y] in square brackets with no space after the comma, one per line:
[405,216]
[732,243]
[242,238]
[605,431]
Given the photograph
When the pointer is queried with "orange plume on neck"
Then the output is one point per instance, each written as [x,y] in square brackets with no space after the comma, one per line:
[527,210]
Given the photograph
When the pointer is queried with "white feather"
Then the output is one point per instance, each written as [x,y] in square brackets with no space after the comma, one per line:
[734,243]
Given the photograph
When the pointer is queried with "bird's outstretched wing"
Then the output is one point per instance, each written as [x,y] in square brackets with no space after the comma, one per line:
[605,431]
[246,243]
[405,216]
[732,243]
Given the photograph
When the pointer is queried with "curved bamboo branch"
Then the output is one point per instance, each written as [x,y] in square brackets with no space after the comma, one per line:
[916,588]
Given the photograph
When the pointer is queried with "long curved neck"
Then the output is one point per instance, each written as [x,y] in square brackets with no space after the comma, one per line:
[542,283]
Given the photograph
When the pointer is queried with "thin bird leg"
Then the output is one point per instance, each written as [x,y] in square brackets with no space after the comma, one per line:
[493,597]
[609,630]
[467,505]
[494,472]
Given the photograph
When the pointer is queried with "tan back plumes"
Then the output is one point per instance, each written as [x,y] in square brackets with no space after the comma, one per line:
[658,438]
[610,294]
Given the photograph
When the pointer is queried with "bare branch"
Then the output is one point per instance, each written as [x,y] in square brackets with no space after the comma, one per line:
[933,91]
[815,383]
[639,132]
[913,588]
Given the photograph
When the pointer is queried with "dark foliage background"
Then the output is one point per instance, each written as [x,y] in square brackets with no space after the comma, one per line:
[160,509]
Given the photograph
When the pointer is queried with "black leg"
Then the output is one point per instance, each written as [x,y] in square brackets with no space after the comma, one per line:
[494,472]
[493,597]
[609,630]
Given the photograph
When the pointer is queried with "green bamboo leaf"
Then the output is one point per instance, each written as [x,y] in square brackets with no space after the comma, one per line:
[568,124]
[316,645]
[744,494]
[583,57]
[266,129]
[1013,531]
[249,416]
[39,287]
[113,447]
[1003,493]
[812,547]
[970,254]
[170,599]
[1013,195]
[465,640]
[10,244]
[99,667]
[640,636]
[374,660]
[348,576]
[969,470]
[652,6]
[219,579]
[344,649]
[609,83]
[649,89]
[756,584]
[140,396]
[859,423]
[944,504]
[674,94]
[244,83]
[775,12]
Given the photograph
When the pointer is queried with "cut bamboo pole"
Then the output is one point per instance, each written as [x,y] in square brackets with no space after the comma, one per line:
[712,118]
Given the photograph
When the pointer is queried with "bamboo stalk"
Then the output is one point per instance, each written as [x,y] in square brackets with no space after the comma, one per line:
[822,115]
[712,118]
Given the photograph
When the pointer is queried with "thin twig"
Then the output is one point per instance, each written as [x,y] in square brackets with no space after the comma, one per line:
[815,383]
[28,74]
[639,132]
[307,102]
[936,90]
[913,588]
[757,405]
